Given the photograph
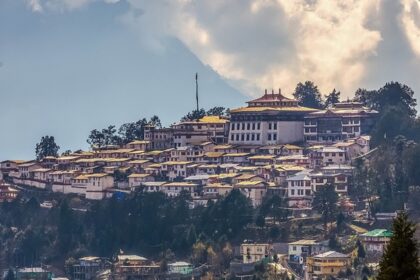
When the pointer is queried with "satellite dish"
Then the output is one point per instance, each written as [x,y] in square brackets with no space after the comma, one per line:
[301,260]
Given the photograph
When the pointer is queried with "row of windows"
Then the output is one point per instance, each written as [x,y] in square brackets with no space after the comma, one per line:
[301,192]
[243,137]
[245,126]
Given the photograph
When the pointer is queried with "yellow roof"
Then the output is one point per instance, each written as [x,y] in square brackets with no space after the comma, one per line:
[267,109]
[304,242]
[248,183]
[139,175]
[292,147]
[213,119]
[225,175]
[139,161]
[180,184]
[236,155]
[176,162]
[117,151]
[154,153]
[218,185]
[155,165]
[136,152]
[138,142]
[262,157]
[42,170]
[222,147]
[68,157]
[246,176]
[213,154]
[86,176]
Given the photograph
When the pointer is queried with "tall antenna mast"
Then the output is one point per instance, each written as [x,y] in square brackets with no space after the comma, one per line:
[196,89]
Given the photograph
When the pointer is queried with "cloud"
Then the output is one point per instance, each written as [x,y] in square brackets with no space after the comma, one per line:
[267,43]
[257,44]
[62,5]
[35,5]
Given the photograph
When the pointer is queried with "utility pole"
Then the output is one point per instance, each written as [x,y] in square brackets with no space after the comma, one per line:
[196,89]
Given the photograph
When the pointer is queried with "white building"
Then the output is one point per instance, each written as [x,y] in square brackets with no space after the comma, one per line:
[268,120]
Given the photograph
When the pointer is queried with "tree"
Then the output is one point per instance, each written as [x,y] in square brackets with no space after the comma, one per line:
[308,95]
[216,111]
[96,139]
[10,275]
[361,253]
[194,115]
[66,153]
[332,98]
[46,147]
[155,121]
[135,130]
[400,259]
[325,202]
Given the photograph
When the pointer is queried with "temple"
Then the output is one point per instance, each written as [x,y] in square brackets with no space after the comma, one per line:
[268,120]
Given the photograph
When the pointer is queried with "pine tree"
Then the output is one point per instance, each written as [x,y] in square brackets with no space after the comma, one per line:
[400,260]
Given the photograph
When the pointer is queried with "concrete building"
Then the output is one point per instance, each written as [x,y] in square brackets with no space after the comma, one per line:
[301,249]
[268,120]
[327,264]
[376,240]
[253,252]
[209,128]
[344,120]
[159,138]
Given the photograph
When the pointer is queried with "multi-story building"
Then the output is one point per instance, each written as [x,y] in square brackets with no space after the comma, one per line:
[134,267]
[299,190]
[253,252]
[208,128]
[268,120]
[344,120]
[376,240]
[87,268]
[327,264]
[159,138]
[7,192]
[301,249]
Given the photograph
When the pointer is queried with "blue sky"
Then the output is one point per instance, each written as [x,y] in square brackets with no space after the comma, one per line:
[69,66]
[65,74]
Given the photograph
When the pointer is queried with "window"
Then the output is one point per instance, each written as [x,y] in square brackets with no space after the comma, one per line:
[232,137]
[248,126]
[237,137]
[242,137]
[252,136]
[243,126]
[275,136]
[238,126]
[247,137]
[269,126]
[233,126]
[269,136]
[274,125]
[258,125]
[292,192]
[253,126]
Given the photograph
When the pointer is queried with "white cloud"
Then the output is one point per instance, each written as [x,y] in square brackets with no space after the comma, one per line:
[257,44]
[62,5]
[260,44]
[35,5]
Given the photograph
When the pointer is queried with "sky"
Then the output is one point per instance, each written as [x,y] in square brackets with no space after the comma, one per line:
[69,66]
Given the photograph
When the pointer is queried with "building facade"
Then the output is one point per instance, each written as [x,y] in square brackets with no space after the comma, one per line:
[343,121]
[268,120]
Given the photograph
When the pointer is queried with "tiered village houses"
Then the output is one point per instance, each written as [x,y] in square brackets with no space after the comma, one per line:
[262,149]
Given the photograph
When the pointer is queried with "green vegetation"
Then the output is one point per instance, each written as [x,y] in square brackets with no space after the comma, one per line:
[46,147]
[400,260]
[146,223]
[126,133]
